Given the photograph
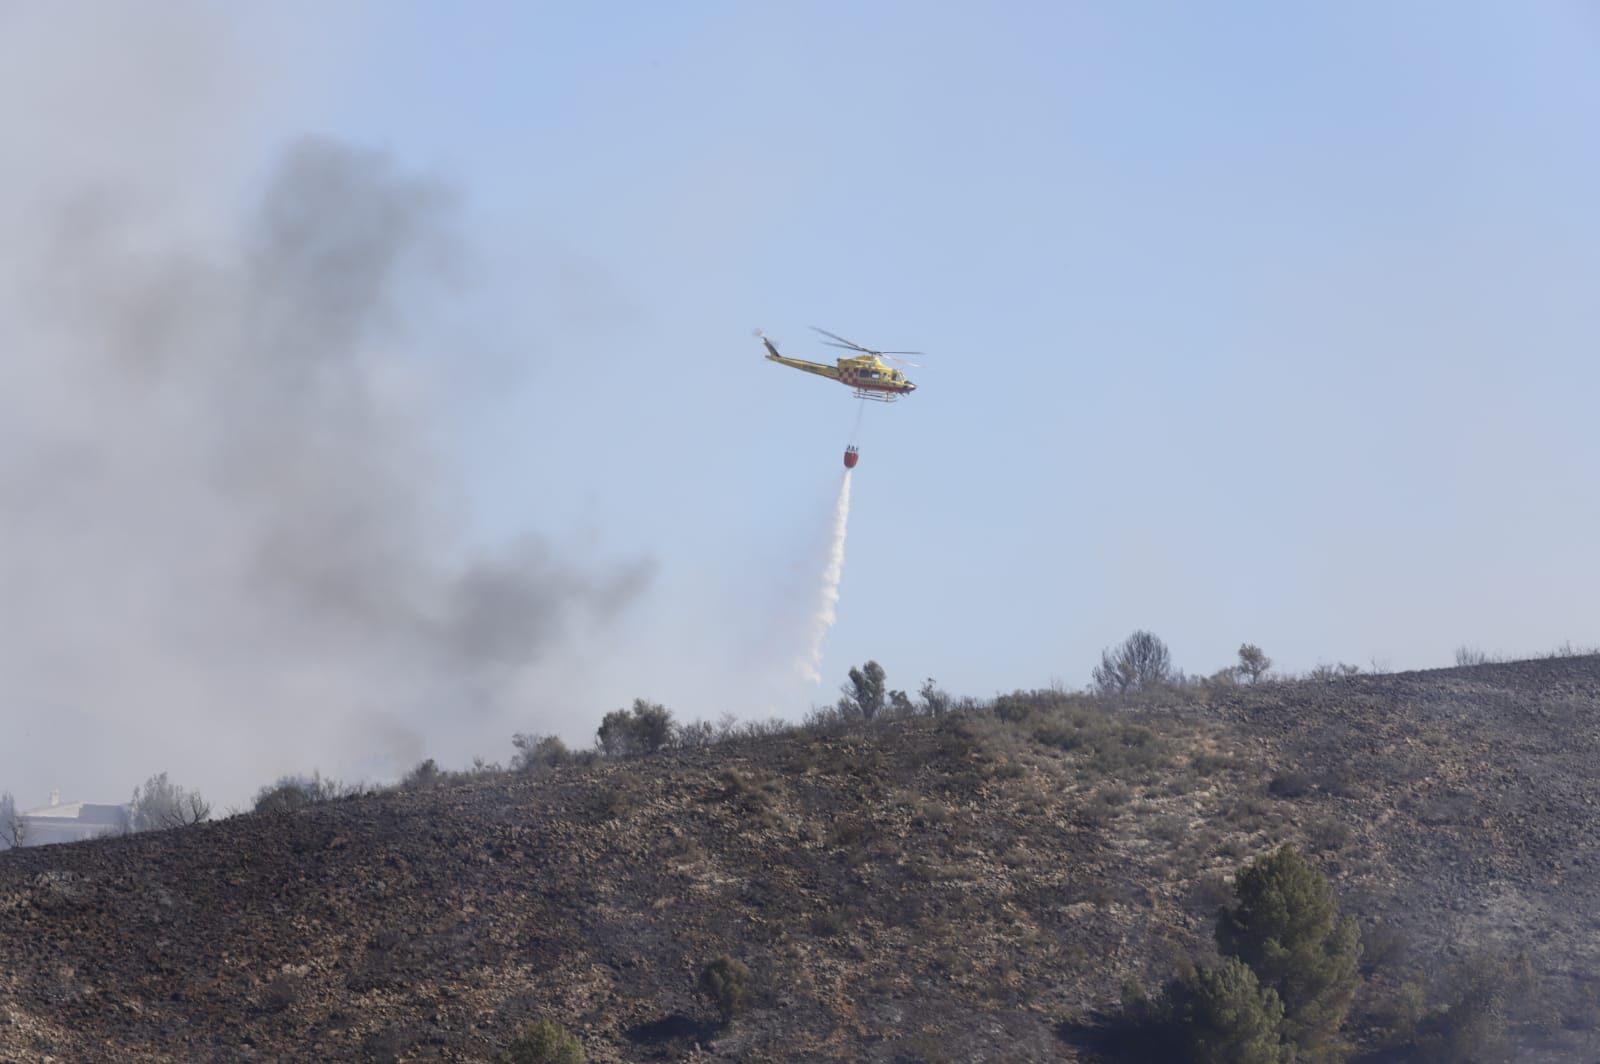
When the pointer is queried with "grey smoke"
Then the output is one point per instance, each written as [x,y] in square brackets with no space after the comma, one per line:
[231,543]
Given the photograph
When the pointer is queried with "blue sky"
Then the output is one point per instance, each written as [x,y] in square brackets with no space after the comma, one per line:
[1244,322]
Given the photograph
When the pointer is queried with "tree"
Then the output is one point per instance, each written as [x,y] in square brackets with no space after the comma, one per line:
[546,1042]
[1252,662]
[934,700]
[1139,663]
[864,695]
[652,725]
[13,829]
[725,983]
[1286,927]
[159,804]
[1225,1016]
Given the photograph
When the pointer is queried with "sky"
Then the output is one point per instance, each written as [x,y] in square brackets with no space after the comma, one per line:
[378,381]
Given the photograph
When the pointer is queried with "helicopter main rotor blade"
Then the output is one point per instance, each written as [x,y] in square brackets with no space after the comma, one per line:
[842,340]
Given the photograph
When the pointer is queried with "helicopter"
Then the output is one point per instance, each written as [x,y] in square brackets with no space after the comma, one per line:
[867,373]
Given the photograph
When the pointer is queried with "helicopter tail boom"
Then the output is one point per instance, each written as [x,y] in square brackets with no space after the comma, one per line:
[831,372]
[821,370]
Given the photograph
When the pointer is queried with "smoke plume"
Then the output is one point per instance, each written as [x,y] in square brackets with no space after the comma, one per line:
[230,544]
[827,610]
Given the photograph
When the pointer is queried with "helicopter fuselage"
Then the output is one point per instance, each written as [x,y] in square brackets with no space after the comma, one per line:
[869,376]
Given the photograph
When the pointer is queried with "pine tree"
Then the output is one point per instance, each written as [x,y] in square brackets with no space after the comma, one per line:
[1286,927]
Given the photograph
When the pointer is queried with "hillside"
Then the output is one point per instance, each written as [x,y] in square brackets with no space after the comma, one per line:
[968,887]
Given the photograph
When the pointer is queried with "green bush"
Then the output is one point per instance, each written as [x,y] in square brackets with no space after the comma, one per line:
[1217,1015]
[1225,1016]
[1399,1013]
[1286,927]
[726,984]
[545,1042]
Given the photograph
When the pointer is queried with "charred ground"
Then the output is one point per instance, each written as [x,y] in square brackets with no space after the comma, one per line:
[975,886]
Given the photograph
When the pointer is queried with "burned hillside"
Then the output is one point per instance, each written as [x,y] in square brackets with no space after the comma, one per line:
[971,886]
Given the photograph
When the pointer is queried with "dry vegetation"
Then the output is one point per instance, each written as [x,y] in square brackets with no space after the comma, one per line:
[972,886]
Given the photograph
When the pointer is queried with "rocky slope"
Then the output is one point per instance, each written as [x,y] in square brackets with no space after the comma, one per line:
[970,887]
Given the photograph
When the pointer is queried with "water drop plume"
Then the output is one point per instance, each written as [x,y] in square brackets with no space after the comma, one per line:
[827,610]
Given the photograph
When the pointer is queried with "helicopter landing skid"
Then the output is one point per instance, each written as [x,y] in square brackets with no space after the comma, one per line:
[876,397]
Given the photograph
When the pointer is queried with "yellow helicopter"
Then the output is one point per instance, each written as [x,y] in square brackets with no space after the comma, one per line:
[868,373]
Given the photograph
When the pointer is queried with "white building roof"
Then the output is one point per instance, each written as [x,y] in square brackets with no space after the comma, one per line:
[78,812]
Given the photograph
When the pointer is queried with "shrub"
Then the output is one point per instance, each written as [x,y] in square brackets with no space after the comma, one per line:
[1014,708]
[726,984]
[612,803]
[1225,1016]
[160,803]
[1383,946]
[425,775]
[1291,784]
[643,730]
[1207,895]
[280,992]
[545,1042]
[691,736]
[13,830]
[1219,1015]
[1326,835]
[1142,1027]
[538,751]
[1286,927]
[1471,1025]
[1399,1013]
[749,793]
[296,792]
